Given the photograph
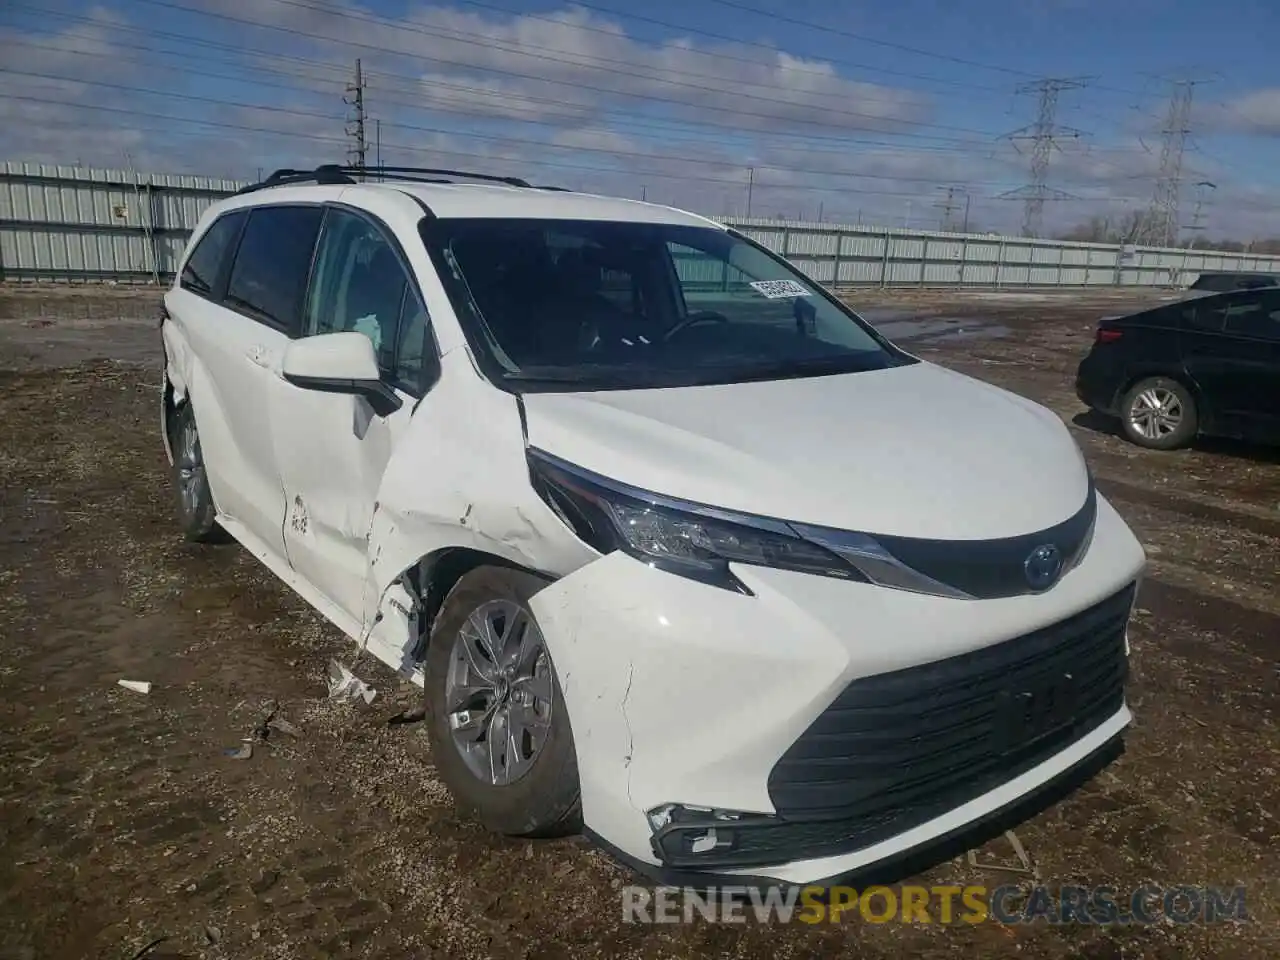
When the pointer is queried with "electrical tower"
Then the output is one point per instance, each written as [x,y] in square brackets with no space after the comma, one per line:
[950,205]
[1043,135]
[354,98]
[1160,225]
[1197,218]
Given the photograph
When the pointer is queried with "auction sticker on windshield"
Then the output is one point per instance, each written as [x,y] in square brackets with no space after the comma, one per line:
[779,289]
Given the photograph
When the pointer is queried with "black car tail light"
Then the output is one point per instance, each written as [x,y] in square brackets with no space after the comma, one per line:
[1106,335]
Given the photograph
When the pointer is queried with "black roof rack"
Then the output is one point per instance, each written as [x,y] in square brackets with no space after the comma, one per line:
[332,173]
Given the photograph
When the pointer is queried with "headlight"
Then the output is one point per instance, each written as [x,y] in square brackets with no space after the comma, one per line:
[700,542]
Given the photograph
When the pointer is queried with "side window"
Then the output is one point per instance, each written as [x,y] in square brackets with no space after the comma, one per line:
[269,278]
[201,271]
[1253,314]
[413,342]
[359,284]
[1256,315]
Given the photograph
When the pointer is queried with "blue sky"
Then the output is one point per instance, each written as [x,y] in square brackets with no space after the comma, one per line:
[870,115]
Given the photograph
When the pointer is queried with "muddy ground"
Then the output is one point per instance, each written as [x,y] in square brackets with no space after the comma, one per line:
[123,821]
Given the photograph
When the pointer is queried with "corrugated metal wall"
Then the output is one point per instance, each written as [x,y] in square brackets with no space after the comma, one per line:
[69,223]
[840,255]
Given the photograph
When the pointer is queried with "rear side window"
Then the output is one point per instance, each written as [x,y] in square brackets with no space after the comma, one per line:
[203,268]
[1245,315]
[269,278]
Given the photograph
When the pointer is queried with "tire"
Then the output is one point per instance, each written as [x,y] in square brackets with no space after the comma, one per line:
[1143,422]
[196,513]
[537,794]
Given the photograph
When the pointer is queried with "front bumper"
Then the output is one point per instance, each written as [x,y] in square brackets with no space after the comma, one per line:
[679,693]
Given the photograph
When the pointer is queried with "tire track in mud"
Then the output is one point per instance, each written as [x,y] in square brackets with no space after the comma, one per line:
[1194,509]
[126,822]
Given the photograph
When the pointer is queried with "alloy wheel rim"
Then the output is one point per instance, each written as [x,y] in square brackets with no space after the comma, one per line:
[498,692]
[191,472]
[1155,413]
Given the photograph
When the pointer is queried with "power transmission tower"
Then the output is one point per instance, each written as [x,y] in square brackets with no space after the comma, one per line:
[949,204]
[1197,218]
[1043,135]
[1160,225]
[956,200]
[354,98]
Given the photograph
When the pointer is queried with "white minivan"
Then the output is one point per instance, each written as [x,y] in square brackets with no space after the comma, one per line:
[685,554]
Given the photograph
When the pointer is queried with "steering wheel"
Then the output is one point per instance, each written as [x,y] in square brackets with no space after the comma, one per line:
[702,316]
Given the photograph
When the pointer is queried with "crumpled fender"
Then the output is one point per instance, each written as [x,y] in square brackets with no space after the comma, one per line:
[459,478]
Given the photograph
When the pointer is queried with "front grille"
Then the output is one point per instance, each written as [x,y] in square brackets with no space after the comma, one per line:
[898,749]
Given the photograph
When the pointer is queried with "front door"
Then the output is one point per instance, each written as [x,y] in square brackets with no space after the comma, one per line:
[333,449]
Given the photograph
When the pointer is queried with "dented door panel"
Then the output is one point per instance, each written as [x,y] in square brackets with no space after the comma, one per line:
[228,390]
[332,451]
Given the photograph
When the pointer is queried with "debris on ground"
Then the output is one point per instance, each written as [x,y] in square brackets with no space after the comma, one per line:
[411,715]
[1024,864]
[262,733]
[345,685]
[137,686]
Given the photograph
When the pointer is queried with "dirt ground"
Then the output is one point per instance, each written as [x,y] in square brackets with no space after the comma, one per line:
[123,820]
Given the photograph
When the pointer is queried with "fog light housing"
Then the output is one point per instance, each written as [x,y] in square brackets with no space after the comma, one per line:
[685,835]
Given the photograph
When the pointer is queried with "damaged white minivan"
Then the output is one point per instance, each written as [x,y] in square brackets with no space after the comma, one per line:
[685,555]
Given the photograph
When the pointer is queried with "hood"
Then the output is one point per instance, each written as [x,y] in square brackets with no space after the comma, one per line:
[913,451]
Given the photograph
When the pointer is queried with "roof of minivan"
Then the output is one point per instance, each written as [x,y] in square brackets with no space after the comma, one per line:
[478,200]
[481,200]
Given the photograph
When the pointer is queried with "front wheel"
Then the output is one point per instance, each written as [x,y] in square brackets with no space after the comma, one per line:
[496,718]
[1159,413]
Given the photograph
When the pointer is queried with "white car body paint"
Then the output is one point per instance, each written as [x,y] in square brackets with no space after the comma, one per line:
[676,691]
[823,450]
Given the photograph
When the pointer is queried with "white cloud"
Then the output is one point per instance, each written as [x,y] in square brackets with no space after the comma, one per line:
[1254,113]
[567,97]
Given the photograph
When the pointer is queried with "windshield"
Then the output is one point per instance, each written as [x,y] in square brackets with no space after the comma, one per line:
[589,305]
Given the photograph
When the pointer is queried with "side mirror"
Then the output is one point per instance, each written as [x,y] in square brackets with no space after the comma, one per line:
[339,363]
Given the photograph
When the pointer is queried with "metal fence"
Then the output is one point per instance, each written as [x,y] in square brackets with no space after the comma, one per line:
[76,224]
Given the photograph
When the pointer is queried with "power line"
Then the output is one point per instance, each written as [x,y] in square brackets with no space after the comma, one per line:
[663,125]
[419,148]
[416,81]
[500,138]
[169,120]
[1160,225]
[610,151]
[1043,135]
[602,64]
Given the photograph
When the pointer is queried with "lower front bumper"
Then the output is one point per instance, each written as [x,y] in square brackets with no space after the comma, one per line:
[683,694]
[905,863]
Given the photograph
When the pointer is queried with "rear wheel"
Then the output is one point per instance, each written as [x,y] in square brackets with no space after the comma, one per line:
[196,512]
[496,717]
[1159,413]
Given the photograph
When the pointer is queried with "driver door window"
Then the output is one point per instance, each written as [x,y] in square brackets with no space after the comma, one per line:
[359,284]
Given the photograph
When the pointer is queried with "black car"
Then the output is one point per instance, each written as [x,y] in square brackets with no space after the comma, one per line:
[1222,282]
[1204,365]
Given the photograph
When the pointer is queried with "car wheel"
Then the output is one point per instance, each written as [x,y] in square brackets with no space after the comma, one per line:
[496,718]
[196,512]
[1159,413]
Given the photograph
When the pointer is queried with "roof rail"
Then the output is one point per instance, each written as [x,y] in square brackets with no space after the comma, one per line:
[333,173]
